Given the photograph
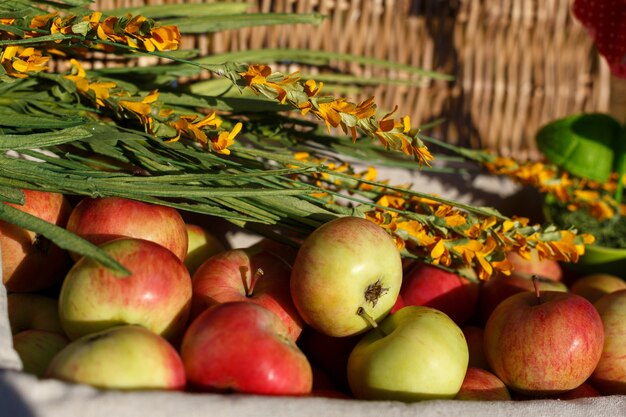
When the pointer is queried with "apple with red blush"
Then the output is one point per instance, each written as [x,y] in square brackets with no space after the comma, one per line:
[244,347]
[252,275]
[99,220]
[428,285]
[609,376]
[532,263]
[543,343]
[31,262]
[482,385]
[156,294]
[124,357]
[347,274]
[500,287]
[594,286]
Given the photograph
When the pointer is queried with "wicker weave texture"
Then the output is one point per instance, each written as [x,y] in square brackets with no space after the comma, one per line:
[517,63]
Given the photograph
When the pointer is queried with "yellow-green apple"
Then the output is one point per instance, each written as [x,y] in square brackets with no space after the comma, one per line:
[244,347]
[33,312]
[100,220]
[543,343]
[609,376]
[594,286]
[417,353]
[36,348]
[156,294]
[250,274]
[125,357]
[533,264]
[500,287]
[427,285]
[347,273]
[201,245]
[474,336]
[482,385]
[31,262]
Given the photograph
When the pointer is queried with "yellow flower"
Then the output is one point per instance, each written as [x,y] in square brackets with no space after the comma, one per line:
[256,78]
[142,109]
[225,139]
[18,61]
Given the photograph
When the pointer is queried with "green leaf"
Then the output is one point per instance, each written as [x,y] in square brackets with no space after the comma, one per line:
[59,236]
[159,11]
[582,144]
[10,119]
[12,195]
[219,23]
[42,140]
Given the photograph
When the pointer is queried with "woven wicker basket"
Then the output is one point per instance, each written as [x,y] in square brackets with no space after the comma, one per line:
[517,63]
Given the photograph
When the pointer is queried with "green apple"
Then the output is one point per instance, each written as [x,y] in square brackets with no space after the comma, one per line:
[347,274]
[123,357]
[33,311]
[36,348]
[201,245]
[417,353]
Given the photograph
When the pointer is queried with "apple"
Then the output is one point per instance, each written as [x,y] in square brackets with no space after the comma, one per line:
[156,295]
[31,262]
[125,357]
[544,268]
[445,291]
[244,347]
[36,348]
[474,336]
[201,245]
[250,274]
[417,353]
[594,286]
[544,343]
[609,376]
[500,287]
[33,312]
[347,274]
[585,390]
[100,220]
[329,354]
[482,385]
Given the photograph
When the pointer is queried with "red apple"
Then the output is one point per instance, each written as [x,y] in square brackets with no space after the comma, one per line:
[482,385]
[427,285]
[329,354]
[347,274]
[544,268]
[244,347]
[474,336]
[246,275]
[594,286]
[124,357]
[36,348]
[543,345]
[31,262]
[156,295]
[585,390]
[609,377]
[100,220]
[201,245]
[500,287]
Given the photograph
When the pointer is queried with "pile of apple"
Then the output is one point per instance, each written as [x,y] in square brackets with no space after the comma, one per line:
[341,316]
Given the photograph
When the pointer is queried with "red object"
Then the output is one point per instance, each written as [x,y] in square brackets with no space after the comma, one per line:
[606,22]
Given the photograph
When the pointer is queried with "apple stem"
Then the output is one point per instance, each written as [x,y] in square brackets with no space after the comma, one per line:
[536,285]
[369,319]
[253,280]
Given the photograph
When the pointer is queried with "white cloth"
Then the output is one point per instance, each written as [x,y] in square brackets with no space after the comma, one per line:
[22,395]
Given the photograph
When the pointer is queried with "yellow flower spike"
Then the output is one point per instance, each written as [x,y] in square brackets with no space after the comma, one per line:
[312,88]
[165,38]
